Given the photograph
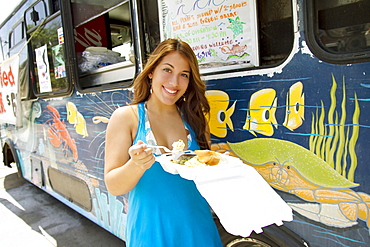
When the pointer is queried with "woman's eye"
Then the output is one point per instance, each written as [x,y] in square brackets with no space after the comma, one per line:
[167,70]
[185,75]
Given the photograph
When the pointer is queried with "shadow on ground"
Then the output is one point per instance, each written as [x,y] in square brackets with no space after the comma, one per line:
[43,213]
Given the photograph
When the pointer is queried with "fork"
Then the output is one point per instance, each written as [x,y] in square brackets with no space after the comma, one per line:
[166,149]
[170,152]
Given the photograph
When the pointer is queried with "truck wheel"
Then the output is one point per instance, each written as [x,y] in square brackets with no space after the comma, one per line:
[247,242]
[272,236]
[10,157]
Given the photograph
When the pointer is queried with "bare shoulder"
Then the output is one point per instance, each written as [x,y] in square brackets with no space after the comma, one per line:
[125,112]
[125,117]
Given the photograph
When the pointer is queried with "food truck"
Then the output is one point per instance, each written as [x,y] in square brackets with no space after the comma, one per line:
[287,81]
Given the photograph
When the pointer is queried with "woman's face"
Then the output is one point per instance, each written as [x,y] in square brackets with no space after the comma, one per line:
[170,78]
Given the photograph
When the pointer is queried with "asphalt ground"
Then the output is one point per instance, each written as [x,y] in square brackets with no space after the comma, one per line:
[31,217]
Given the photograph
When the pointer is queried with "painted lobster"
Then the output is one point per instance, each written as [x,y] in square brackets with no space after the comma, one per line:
[58,132]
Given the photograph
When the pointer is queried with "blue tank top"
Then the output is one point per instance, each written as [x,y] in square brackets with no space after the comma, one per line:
[166,210]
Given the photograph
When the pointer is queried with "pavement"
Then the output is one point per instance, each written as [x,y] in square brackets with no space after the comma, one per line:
[31,217]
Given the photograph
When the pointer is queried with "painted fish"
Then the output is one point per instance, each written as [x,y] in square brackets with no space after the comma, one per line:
[77,119]
[261,113]
[220,116]
[294,114]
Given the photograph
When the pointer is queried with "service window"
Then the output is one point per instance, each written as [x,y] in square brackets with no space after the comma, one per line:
[47,49]
[231,35]
[103,42]
[339,29]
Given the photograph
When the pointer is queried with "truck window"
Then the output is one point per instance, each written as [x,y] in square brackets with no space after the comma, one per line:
[103,42]
[339,30]
[36,14]
[275,23]
[48,53]
[17,35]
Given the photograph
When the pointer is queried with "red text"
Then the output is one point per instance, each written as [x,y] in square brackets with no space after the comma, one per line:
[7,78]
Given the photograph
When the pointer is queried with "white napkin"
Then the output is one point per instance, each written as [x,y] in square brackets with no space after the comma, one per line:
[240,197]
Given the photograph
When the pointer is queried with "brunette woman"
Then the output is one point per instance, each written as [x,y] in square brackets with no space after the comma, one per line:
[169,104]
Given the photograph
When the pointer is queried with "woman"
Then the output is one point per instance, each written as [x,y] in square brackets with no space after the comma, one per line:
[169,104]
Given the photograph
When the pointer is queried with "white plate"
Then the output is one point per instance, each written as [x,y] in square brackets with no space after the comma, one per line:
[237,193]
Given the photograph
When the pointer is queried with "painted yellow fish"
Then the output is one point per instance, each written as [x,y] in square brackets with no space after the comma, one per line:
[294,114]
[261,113]
[220,116]
[76,118]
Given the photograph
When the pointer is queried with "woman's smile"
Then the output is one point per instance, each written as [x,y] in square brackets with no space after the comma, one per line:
[172,92]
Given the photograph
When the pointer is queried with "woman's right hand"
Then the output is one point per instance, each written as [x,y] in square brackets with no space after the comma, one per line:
[142,155]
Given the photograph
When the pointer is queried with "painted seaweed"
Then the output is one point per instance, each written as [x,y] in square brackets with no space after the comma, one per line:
[334,141]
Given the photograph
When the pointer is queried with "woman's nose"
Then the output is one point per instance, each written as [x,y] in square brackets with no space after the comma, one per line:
[174,80]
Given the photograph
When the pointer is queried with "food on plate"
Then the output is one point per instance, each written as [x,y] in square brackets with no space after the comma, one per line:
[194,162]
[178,146]
[182,159]
[208,157]
[196,159]
[201,158]
[188,160]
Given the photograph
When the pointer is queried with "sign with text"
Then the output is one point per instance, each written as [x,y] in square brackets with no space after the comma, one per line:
[43,69]
[9,90]
[221,32]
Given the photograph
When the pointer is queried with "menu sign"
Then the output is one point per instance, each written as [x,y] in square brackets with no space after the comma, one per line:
[221,32]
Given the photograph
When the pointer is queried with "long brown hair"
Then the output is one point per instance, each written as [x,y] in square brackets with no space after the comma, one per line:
[194,105]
